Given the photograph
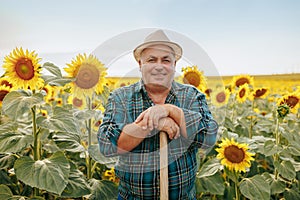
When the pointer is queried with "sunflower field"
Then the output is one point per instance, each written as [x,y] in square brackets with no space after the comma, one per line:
[49,121]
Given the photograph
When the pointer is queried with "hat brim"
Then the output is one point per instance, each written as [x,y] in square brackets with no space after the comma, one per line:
[176,48]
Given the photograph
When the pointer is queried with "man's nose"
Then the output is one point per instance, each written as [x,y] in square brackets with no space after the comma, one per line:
[159,67]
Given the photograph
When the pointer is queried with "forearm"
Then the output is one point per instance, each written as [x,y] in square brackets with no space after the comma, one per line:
[177,115]
[131,136]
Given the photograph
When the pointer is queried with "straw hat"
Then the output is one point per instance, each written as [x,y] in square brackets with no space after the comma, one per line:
[157,37]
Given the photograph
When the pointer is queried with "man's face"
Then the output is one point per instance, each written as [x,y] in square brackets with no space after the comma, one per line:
[157,65]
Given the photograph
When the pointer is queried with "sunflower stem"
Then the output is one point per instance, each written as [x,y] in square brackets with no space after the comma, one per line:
[237,196]
[232,114]
[36,143]
[251,121]
[277,142]
[89,129]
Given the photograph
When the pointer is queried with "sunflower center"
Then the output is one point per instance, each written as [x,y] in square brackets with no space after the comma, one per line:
[292,101]
[221,97]
[241,81]
[192,78]
[260,92]
[24,69]
[242,93]
[6,83]
[3,93]
[77,102]
[87,77]
[208,92]
[234,154]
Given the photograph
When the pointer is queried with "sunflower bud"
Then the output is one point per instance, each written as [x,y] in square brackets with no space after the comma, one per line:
[283,110]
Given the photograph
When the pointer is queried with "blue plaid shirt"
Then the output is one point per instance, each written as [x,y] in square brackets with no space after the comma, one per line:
[138,170]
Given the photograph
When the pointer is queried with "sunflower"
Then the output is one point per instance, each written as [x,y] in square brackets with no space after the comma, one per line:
[49,90]
[110,175]
[5,81]
[283,110]
[59,101]
[192,76]
[240,80]
[208,92]
[89,75]
[22,68]
[111,83]
[220,97]
[4,90]
[260,93]
[77,102]
[233,155]
[292,100]
[44,112]
[242,93]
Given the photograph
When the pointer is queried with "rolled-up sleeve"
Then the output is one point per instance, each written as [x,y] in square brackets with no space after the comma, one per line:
[201,128]
[111,126]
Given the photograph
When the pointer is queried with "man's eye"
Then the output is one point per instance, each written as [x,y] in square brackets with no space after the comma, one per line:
[151,60]
[166,61]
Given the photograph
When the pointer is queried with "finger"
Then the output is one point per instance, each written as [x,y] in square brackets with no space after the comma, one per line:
[150,123]
[140,117]
[145,120]
[171,133]
[155,121]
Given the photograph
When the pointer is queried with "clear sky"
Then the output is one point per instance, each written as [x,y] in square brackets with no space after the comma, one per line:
[240,36]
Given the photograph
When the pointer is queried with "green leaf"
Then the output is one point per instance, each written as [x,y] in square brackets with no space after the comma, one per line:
[104,190]
[14,142]
[286,169]
[231,174]
[7,161]
[291,194]
[100,158]
[229,124]
[209,168]
[56,81]
[292,136]
[293,150]
[9,127]
[296,165]
[49,174]
[5,192]
[68,141]
[77,184]
[53,69]
[5,179]
[62,120]
[270,148]
[277,187]
[16,103]
[85,114]
[213,184]
[255,188]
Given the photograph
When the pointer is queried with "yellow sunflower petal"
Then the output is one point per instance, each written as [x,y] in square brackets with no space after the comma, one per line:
[234,156]
[240,80]
[23,69]
[89,75]
[192,76]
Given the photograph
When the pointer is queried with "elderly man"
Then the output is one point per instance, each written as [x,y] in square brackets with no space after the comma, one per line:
[136,113]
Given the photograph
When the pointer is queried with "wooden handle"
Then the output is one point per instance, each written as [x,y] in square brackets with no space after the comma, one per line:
[164,180]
